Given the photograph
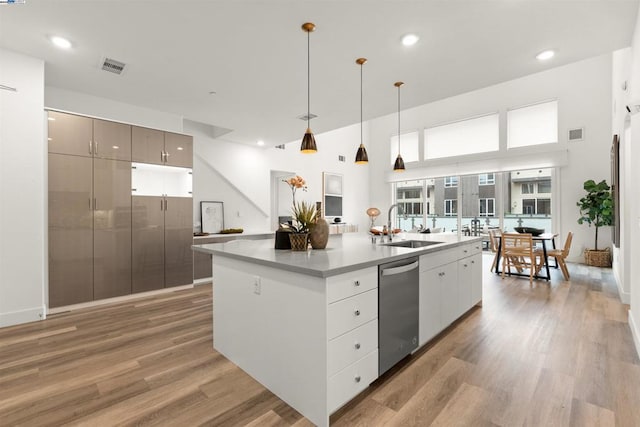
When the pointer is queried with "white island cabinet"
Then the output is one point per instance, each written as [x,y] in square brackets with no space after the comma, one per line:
[305,324]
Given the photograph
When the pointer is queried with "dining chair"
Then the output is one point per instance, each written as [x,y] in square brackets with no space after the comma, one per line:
[561,255]
[519,251]
[493,245]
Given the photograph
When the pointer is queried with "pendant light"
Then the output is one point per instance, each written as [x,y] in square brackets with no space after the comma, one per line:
[398,166]
[308,141]
[361,156]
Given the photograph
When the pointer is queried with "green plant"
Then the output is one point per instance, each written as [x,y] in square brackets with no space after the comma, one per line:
[304,216]
[596,207]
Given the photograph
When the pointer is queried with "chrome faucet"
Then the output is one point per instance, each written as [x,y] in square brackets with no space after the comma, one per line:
[390,230]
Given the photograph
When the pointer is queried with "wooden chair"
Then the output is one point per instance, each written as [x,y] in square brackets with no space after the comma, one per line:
[519,251]
[493,245]
[561,255]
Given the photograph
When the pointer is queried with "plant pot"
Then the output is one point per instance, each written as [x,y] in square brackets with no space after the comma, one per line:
[299,241]
[319,235]
[599,258]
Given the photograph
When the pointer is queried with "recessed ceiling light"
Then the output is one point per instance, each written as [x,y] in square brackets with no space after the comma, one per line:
[547,54]
[410,39]
[61,42]
[260,143]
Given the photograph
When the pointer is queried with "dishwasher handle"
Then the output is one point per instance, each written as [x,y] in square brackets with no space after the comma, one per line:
[401,269]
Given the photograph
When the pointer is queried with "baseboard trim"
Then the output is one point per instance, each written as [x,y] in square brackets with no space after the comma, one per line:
[625,297]
[123,298]
[634,332]
[22,316]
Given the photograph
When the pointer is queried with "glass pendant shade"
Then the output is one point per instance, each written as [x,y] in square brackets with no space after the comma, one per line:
[308,143]
[361,155]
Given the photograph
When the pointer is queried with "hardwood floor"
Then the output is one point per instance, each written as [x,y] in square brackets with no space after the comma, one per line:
[550,354]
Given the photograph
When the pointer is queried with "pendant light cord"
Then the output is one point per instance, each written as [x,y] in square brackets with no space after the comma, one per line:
[361,143]
[308,80]
[398,120]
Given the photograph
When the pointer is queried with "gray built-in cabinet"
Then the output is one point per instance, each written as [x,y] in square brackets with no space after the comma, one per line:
[161,148]
[95,237]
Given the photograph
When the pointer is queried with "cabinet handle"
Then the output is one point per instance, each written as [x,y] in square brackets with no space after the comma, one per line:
[95,204]
[165,204]
[357,378]
[89,147]
[465,265]
[473,262]
[357,312]
[161,204]
[89,203]
[465,251]
[161,156]
[96,148]
[357,346]
[356,283]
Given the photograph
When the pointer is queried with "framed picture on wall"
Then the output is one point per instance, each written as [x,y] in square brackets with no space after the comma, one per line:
[332,194]
[212,216]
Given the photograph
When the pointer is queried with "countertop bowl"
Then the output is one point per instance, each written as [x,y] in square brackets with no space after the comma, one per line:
[529,230]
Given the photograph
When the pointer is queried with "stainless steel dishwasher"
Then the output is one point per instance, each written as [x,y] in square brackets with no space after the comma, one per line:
[397,311]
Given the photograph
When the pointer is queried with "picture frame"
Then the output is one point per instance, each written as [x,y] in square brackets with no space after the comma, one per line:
[212,216]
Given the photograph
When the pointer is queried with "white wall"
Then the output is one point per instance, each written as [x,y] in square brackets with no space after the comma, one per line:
[583,91]
[239,173]
[632,221]
[23,169]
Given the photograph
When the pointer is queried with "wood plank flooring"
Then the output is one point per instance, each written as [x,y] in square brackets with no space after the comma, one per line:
[553,354]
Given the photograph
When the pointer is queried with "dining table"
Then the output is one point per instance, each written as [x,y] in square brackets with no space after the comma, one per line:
[542,239]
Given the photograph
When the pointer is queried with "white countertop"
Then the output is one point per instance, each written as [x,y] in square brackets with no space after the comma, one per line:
[345,252]
[235,235]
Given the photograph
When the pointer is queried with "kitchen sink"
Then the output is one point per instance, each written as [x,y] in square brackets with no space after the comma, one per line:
[413,243]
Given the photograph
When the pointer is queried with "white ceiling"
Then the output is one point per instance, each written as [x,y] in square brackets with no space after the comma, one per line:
[253,53]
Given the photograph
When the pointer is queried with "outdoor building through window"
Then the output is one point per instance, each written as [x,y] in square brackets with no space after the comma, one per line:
[451,181]
[487,179]
[450,207]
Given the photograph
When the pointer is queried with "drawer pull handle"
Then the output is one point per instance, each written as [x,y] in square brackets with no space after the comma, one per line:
[357,378]
[357,312]
[465,265]
[357,346]
[473,262]
[465,251]
[357,282]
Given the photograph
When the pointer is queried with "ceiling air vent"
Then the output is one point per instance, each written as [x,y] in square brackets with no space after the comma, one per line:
[576,134]
[113,66]
[280,147]
[341,158]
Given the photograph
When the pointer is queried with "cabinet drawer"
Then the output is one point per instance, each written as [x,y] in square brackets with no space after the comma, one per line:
[350,381]
[470,249]
[435,259]
[348,348]
[352,283]
[349,313]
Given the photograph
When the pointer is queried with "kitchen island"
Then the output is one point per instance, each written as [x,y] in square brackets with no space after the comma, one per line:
[305,324]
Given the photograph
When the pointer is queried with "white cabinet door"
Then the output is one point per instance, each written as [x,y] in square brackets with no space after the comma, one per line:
[465,283]
[430,323]
[450,293]
[476,283]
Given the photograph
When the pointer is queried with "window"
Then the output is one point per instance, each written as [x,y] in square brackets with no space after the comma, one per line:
[532,125]
[544,186]
[543,206]
[477,135]
[528,206]
[487,207]
[450,181]
[410,199]
[451,207]
[486,179]
[408,147]
[527,188]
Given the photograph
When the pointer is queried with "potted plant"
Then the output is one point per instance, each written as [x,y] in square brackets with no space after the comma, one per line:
[304,217]
[596,208]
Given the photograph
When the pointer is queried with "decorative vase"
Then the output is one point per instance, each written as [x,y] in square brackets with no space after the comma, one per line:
[299,241]
[319,235]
